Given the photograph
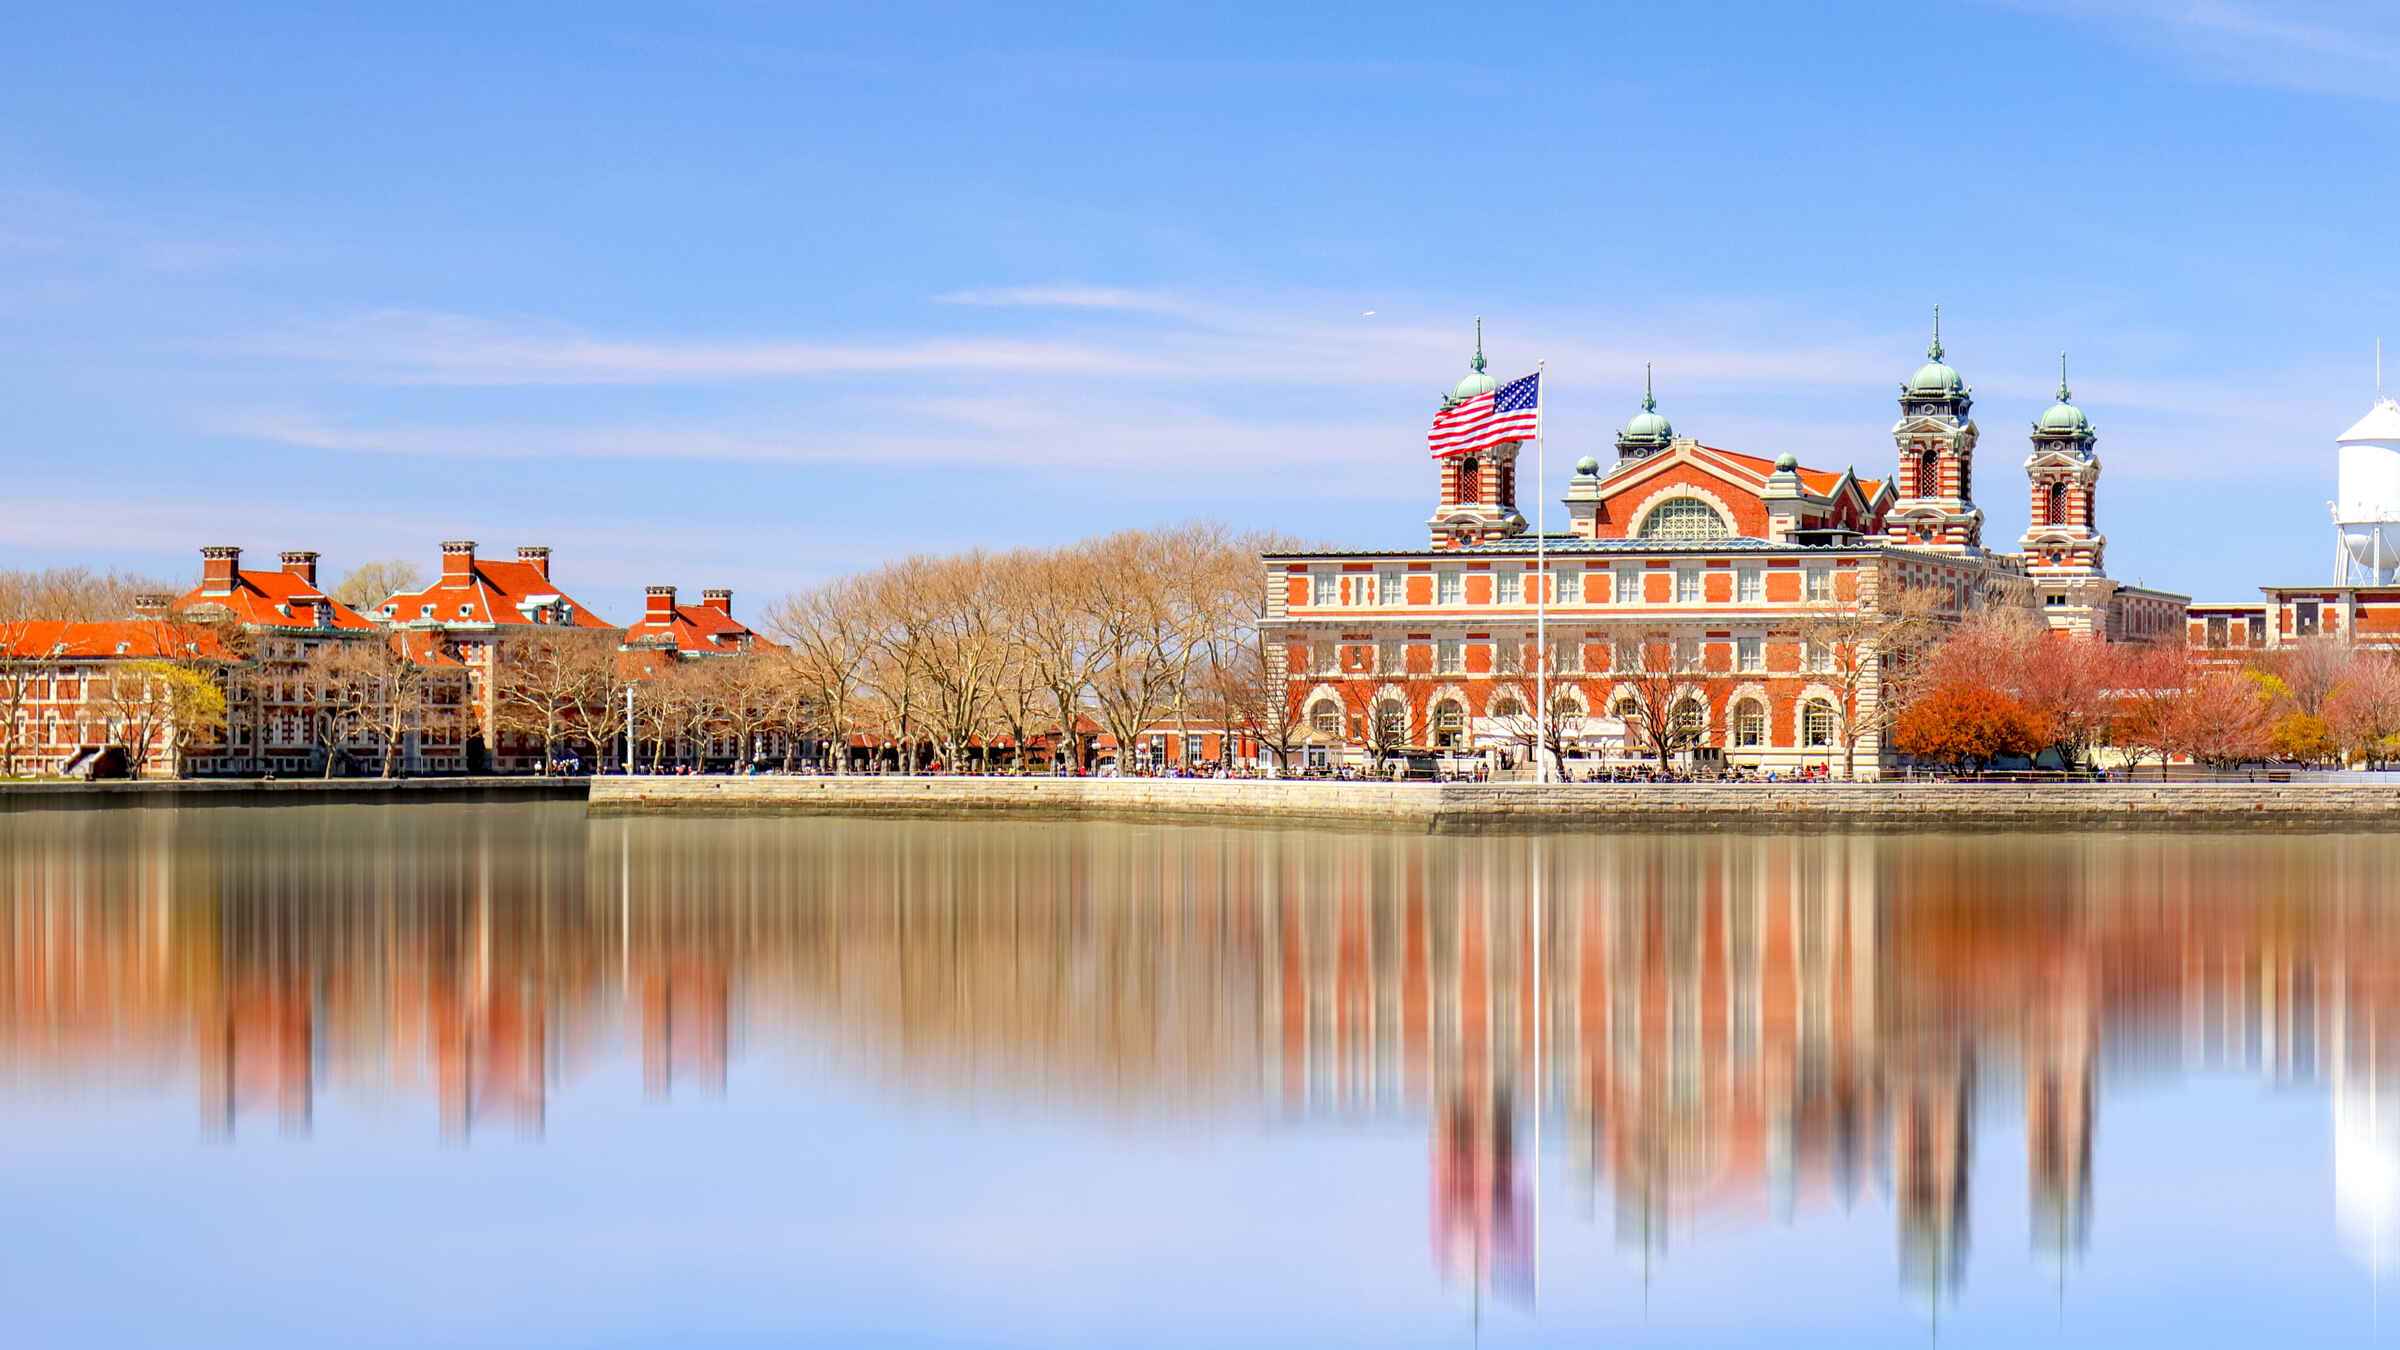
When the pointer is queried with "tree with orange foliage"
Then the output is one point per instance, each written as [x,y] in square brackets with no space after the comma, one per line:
[2222,719]
[2365,709]
[2151,682]
[1968,725]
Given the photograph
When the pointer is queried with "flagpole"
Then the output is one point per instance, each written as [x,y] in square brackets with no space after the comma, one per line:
[1541,572]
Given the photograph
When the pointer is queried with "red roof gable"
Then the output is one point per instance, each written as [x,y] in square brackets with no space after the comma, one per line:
[132,639]
[495,592]
[697,629]
[1819,482]
[274,600]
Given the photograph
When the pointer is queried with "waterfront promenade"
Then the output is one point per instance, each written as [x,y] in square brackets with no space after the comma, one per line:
[1425,806]
[1440,806]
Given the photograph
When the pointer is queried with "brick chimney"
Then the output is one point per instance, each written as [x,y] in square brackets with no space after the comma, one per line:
[719,599]
[150,605]
[658,604]
[218,564]
[536,556]
[458,561]
[302,563]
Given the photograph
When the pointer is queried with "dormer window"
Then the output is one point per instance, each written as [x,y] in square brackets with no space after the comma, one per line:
[424,611]
[465,610]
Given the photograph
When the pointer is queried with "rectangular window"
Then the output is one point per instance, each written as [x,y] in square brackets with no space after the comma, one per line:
[2258,630]
[1449,587]
[1450,657]
[1362,588]
[1566,657]
[1508,588]
[1820,583]
[2216,632]
[1687,654]
[1628,655]
[2306,617]
[1749,585]
[1570,585]
[1816,656]
[1388,659]
[1629,585]
[1687,585]
[1751,653]
[1322,659]
[1391,588]
[1321,588]
[1816,724]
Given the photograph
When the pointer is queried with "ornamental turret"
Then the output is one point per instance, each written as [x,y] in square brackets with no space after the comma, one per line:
[2062,541]
[1478,499]
[1934,505]
[1648,431]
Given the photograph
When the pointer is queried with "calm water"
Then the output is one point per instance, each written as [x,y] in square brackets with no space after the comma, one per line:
[501,1076]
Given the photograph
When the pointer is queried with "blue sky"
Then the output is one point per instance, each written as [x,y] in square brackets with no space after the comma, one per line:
[747,294]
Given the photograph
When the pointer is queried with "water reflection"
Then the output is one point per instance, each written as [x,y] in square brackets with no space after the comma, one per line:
[1699,1032]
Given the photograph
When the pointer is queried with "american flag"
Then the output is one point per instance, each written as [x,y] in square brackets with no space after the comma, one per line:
[1509,413]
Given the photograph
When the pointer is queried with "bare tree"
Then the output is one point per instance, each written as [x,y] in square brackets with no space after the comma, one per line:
[750,699]
[830,635]
[1865,649]
[371,583]
[551,682]
[380,691]
[1662,699]
[1056,635]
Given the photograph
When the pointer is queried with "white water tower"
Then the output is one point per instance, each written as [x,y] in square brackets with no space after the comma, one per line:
[2367,511]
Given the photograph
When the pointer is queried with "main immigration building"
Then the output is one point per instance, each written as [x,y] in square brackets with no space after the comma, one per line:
[1710,565]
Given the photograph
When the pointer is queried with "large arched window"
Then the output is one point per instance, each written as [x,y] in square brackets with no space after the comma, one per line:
[2057,513]
[1470,480]
[1449,724]
[1816,724]
[1929,474]
[1507,705]
[1391,722]
[1749,724]
[1684,518]
[1325,717]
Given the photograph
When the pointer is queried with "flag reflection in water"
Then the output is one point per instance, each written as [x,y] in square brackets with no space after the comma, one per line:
[1730,1029]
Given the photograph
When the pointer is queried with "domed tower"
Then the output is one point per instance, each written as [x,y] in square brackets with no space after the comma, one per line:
[1934,491]
[2063,537]
[1478,491]
[1648,431]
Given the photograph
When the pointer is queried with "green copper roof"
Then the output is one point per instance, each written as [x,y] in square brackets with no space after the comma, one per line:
[1934,377]
[1649,426]
[1476,382]
[2063,416]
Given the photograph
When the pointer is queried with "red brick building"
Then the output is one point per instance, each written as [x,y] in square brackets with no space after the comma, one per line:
[704,629]
[466,614]
[1687,560]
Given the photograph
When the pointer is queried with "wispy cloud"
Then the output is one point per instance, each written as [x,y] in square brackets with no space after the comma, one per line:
[1067,297]
[2309,46]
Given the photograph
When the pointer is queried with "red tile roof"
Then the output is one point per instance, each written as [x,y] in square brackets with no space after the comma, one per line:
[695,629]
[274,600]
[132,639]
[1819,482]
[496,592]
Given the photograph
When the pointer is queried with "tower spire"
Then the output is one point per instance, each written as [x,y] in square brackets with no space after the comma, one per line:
[1477,363]
[1934,351]
[1649,400]
[2062,377]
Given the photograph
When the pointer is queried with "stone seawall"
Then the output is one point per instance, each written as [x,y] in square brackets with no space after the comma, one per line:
[1428,806]
[186,792]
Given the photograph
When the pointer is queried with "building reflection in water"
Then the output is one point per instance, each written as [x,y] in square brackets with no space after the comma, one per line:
[1722,1029]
